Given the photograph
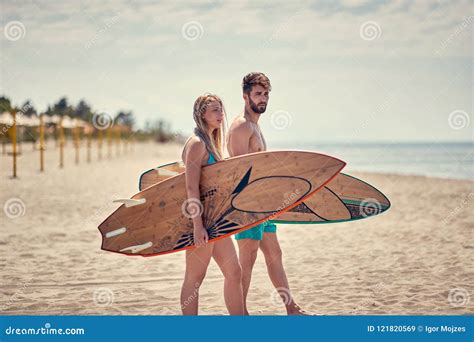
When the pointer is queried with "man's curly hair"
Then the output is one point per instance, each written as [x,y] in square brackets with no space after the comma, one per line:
[254,78]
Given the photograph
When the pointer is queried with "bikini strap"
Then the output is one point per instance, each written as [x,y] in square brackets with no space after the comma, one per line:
[209,152]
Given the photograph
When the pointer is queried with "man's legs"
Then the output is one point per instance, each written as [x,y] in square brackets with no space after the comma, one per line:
[248,249]
[274,260]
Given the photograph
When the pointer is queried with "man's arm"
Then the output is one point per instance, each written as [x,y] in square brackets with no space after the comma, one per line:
[240,139]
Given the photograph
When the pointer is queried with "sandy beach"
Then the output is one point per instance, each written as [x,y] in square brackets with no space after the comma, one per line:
[415,259]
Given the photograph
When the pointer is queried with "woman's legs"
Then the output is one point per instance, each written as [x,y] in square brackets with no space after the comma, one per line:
[197,260]
[226,257]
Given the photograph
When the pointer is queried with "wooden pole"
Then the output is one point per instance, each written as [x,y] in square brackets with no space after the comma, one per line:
[41,143]
[99,143]
[109,142]
[117,139]
[14,142]
[76,138]
[61,144]
[56,134]
[89,143]
[5,130]
[125,141]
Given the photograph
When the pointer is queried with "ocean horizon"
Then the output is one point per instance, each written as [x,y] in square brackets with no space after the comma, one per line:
[433,159]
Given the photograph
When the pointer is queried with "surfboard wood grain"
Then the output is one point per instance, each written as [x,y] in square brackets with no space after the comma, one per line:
[236,194]
[345,198]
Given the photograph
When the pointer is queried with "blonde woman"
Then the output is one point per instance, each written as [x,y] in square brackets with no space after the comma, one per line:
[204,147]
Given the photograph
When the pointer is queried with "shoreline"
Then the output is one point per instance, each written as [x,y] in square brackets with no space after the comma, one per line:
[395,174]
[6,160]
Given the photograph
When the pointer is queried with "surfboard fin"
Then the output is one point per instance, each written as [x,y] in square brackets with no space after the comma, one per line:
[116,232]
[137,248]
[166,173]
[129,202]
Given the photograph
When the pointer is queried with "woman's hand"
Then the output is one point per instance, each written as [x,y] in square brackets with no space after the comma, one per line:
[200,236]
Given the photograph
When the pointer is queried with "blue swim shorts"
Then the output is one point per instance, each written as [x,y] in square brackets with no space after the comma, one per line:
[256,233]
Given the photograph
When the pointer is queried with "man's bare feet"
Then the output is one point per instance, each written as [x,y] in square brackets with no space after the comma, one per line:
[295,310]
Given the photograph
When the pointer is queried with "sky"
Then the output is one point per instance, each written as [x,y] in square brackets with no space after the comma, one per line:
[389,71]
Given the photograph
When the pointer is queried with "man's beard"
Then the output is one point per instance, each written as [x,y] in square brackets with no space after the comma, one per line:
[255,108]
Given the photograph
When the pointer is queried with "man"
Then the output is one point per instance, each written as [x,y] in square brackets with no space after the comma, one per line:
[246,137]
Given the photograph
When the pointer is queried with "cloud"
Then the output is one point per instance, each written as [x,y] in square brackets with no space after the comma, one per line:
[316,27]
[135,51]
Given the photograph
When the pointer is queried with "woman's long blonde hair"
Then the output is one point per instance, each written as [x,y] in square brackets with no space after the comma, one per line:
[215,143]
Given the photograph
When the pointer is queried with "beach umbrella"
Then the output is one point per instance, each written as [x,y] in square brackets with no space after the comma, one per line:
[79,123]
[68,122]
[33,121]
[6,119]
[47,119]
[22,120]
[55,119]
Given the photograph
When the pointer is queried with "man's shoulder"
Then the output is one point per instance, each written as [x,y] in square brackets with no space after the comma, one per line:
[242,125]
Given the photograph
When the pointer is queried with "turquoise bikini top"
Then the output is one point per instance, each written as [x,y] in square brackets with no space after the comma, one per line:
[211,159]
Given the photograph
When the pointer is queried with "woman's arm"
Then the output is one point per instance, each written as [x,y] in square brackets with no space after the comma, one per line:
[194,155]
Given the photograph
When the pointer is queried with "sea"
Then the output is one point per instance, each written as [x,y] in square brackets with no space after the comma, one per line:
[435,159]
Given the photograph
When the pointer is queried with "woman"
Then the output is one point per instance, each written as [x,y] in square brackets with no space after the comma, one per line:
[202,148]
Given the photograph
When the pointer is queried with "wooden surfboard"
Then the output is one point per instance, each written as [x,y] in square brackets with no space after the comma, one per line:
[236,194]
[345,198]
